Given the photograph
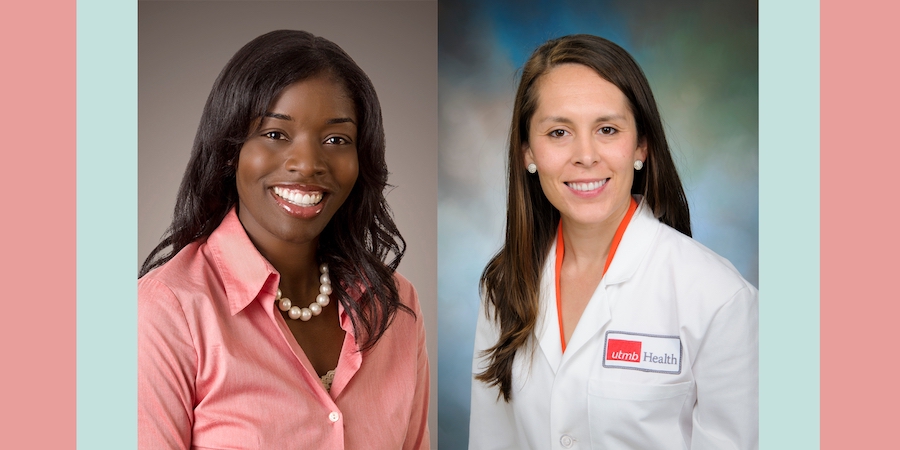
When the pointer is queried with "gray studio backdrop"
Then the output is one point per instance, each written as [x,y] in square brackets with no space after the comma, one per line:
[182,46]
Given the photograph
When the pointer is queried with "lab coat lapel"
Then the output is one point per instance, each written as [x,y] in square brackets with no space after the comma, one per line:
[593,319]
[547,328]
[633,247]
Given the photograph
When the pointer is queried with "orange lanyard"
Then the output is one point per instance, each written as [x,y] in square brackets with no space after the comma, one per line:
[561,249]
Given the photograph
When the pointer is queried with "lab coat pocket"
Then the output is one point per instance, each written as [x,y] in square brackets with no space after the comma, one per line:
[630,415]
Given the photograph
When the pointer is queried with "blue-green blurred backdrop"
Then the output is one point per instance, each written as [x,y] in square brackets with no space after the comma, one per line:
[701,59]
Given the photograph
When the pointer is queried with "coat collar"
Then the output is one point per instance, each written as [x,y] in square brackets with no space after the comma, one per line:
[547,329]
[633,248]
[635,245]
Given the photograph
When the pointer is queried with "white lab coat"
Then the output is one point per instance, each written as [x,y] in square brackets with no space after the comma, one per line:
[660,283]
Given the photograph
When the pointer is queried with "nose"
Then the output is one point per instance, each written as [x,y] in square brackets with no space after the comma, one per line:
[305,157]
[586,151]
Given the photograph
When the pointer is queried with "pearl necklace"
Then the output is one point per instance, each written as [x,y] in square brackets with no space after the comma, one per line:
[314,308]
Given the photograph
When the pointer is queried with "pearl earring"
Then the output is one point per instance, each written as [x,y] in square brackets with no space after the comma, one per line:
[532,168]
[638,165]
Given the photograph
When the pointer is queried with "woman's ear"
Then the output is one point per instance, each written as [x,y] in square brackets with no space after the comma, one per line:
[641,151]
[528,154]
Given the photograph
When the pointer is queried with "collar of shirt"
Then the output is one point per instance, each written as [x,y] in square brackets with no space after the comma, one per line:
[635,244]
[248,276]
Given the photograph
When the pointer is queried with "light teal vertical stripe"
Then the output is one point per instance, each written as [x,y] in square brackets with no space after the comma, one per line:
[789,224]
[107,224]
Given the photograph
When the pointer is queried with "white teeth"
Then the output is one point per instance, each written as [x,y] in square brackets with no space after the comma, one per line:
[298,197]
[587,186]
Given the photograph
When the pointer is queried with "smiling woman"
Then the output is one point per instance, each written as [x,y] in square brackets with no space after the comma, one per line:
[282,205]
[300,160]
[604,325]
[584,119]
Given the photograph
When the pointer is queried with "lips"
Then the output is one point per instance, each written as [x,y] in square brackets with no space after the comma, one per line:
[298,197]
[586,186]
[302,202]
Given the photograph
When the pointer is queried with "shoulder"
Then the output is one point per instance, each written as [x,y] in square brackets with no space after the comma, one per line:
[168,308]
[655,243]
[402,282]
[179,274]
[690,250]
[659,261]
[697,267]
[190,287]
[405,334]
[407,292]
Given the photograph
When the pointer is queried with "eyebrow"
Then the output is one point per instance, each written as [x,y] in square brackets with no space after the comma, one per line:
[328,122]
[279,116]
[606,118]
[566,120]
[340,120]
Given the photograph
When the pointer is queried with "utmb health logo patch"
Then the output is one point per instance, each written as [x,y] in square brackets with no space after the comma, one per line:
[644,352]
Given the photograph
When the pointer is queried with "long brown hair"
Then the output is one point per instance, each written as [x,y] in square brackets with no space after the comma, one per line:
[511,280]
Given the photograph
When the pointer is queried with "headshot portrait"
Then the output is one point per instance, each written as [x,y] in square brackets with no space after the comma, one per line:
[296,144]
[504,198]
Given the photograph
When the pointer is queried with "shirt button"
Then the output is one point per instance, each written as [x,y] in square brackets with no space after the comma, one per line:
[334,416]
[566,441]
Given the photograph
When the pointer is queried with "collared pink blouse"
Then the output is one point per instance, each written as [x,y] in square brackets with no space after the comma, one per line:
[218,367]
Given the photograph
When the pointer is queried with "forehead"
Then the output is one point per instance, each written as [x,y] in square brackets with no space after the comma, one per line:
[578,88]
[319,93]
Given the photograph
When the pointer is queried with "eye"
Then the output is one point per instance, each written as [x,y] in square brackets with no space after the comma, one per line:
[608,131]
[557,133]
[275,135]
[336,140]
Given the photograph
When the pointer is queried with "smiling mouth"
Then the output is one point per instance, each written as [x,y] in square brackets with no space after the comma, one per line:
[297,197]
[585,187]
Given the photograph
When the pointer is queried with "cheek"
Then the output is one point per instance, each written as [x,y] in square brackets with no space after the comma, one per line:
[534,155]
[252,164]
[625,158]
[549,187]
[624,155]
[551,165]
[346,169]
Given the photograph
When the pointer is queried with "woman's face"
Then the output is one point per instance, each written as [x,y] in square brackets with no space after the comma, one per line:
[295,171]
[584,141]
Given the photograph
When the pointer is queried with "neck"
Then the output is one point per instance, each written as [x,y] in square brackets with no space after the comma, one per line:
[296,263]
[588,245]
[585,246]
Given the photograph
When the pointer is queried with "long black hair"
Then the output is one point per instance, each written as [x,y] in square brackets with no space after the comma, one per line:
[360,237]
[511,280]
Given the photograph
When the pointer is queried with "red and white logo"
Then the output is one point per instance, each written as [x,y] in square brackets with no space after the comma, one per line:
[641,351]
[622,350]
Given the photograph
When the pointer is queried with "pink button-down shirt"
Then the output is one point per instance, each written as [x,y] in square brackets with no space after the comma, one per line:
[219,368]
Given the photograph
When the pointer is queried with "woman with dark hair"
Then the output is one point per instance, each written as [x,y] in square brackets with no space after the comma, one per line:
[604,324]
[268,317]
